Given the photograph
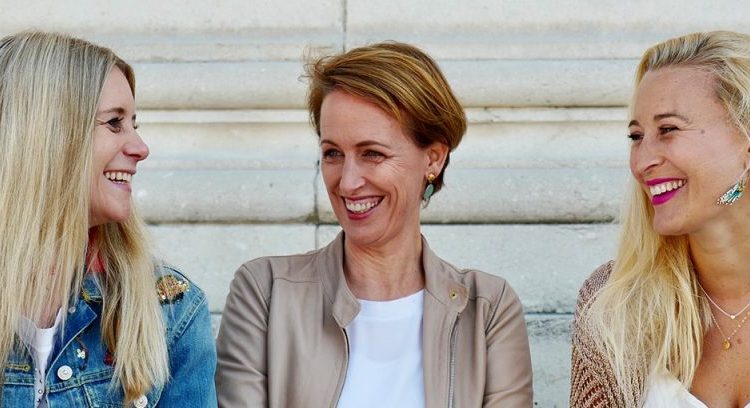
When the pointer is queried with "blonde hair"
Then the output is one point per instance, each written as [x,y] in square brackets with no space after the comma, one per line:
[49,92]
[401,80]
[650,317]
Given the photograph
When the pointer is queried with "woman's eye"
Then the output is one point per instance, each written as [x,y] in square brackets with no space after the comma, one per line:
[666,129]
[115,124]
[635,136]
[331,154]
[373,154]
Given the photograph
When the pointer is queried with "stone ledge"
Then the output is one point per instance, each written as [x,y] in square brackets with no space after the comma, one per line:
[209,254]
[530,195]
[515,195]
[496,138]
[229,146]
[474,115]
[490,83]
[549,338]
[225,195]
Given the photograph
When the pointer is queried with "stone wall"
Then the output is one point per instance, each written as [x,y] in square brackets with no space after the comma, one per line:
[530,195]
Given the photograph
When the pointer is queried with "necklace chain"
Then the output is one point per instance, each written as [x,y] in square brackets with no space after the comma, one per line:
[726,344]
[729,315]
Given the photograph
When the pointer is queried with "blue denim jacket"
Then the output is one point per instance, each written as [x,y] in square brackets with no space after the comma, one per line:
[80,369]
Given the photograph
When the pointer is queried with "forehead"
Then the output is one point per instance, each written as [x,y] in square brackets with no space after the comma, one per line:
[680,90]
[347,117]
[116,92]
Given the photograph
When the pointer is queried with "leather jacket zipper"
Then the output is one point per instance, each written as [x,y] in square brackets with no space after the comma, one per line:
[342,379]
[452,361]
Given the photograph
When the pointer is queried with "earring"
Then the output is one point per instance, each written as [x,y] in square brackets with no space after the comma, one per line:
[430,189]
[734,193]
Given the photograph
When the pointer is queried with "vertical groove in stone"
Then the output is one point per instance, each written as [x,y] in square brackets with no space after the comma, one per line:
[344,22]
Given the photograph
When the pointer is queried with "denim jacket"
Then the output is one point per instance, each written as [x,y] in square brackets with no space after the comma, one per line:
[80,369]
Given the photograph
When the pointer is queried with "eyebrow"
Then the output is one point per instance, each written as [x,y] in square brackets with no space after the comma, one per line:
[120,111]
[660,117]
[670,115]
[360,144]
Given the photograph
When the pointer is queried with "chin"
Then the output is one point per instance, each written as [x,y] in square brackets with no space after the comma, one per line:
[361,237]
[669,229]
[110,219]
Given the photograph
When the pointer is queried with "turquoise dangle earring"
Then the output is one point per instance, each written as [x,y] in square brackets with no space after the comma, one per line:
[735,192]
[430,189]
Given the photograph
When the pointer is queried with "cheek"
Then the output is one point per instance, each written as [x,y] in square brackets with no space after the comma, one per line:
[633,161]
[331,176]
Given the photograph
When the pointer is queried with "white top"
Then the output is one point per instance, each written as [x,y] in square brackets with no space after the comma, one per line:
[666,392]
[385,355]
[40,342]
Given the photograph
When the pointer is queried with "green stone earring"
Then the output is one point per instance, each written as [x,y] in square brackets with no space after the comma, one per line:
[430,189]
[734,193]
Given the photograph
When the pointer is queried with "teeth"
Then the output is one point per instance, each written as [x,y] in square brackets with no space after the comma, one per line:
[360,207]
[666,186]
[118,176]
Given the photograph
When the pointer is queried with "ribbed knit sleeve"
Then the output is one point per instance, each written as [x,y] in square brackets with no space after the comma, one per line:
[593,384]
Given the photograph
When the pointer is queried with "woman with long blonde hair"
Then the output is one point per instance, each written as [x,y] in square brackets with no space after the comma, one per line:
[667,323]
[87,317]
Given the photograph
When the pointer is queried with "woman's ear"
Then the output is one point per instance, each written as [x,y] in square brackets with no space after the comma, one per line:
[436,154]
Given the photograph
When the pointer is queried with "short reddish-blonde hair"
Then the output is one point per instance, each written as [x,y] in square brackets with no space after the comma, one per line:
[400,79]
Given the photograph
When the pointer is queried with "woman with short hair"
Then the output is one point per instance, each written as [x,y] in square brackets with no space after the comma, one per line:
[375,318]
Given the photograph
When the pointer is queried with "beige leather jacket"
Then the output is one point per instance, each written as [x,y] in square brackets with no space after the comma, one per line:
[283,342]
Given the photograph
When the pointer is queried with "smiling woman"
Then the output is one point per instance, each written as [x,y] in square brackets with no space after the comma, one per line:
[664,325]
[375,319]
[87,317]
[117,149]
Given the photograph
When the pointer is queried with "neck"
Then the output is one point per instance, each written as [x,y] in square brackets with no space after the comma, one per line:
[384,273]
[47,318]
[720,257]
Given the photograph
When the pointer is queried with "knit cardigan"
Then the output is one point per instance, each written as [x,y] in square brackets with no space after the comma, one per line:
[593,383]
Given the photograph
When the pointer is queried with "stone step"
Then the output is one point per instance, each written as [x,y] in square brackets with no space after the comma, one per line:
[535,195]
[225,195]
[539,195]
[278,139]
[477,83]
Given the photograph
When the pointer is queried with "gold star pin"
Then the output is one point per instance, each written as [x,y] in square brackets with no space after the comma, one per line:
[171,289]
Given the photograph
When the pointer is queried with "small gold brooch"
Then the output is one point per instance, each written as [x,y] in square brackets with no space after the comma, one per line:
[170,289]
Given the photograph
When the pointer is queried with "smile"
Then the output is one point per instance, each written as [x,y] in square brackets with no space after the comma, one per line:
[664,190]
[361,206]
[119,177]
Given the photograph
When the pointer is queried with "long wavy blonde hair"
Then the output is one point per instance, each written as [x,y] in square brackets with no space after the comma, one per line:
[49,91]
[650,316]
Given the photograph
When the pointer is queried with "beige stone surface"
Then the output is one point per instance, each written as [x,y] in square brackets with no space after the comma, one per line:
[209,254]
[511,195]
[538,29]
[238,196]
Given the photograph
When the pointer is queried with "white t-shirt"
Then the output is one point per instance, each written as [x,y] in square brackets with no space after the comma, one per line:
[664,391]
[40,342]
[385,355]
